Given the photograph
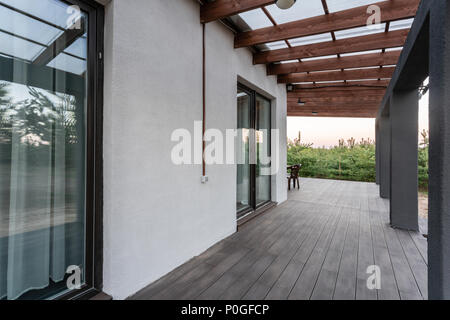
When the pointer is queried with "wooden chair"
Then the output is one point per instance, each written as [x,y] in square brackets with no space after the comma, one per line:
[294,176]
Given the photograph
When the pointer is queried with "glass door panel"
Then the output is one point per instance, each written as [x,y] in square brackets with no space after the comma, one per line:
[263,137]
[243,197]
[43,103]
[253,151]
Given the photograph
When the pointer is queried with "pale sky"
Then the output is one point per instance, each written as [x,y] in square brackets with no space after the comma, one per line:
[327,131]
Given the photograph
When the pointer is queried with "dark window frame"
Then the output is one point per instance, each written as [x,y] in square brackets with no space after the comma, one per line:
[93,271]
[94,153]
[253,206]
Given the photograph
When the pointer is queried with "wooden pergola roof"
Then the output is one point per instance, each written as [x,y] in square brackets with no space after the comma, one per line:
[336,78]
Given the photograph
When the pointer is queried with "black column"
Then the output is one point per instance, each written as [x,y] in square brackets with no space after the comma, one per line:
[377,151]
[439,185]
[404,120]
[385,156]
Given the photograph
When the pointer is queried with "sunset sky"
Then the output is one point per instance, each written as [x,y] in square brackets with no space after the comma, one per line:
[327,131]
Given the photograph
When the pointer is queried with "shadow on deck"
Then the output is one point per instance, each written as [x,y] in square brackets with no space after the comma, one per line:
[317,245]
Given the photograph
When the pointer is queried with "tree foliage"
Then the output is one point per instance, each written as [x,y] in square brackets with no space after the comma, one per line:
[349,160]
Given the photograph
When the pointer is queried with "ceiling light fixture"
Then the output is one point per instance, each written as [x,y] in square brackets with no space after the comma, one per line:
[285,4]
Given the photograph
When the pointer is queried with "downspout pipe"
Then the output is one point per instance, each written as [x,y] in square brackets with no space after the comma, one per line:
[204,178]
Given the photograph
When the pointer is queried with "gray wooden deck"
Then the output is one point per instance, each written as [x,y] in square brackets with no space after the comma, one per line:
[317,245]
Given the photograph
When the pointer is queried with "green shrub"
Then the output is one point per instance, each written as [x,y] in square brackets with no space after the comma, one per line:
[352,161]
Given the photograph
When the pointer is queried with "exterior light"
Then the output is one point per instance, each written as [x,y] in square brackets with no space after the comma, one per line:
[285,4]
[300,102]
[290,87]
[315,113]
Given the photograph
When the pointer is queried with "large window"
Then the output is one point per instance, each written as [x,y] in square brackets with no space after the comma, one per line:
[253,151]
[48,160]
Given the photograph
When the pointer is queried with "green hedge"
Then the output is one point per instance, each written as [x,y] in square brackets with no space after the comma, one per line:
[355,163]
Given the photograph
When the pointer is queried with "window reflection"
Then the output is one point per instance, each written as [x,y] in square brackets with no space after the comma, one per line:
[42,147]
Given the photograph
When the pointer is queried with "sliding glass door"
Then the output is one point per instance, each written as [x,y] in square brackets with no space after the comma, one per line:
[253,151]
[244,188]
[263,164]
[46,140]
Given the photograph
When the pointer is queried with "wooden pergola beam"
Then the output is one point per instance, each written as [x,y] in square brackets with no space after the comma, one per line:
[344,87]
[342,114]
[348,62]
[311,94]
[335,105]
[346,19]
[220,9]
[356,44]
[333,109]
[292,96]
[359,74]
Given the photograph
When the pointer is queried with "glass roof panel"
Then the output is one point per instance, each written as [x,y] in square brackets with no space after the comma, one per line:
[363,68]
[324,37]
[300,10]
[320,58]
[21,25]
[79,47]
[360,52]
[325,82]
[360,31]
[19,48]
[324,71]
[67,63]
[288,61]
[256,19]
[394,49]
[401,24]
[339,5]
[48,10]
[276,45]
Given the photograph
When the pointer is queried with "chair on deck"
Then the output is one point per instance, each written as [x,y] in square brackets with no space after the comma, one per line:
[294,176]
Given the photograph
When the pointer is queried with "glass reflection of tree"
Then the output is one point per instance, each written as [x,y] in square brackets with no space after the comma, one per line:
[5,126]
[36,118]
[45,124]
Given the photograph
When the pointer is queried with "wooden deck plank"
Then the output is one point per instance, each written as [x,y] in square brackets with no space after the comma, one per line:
[285,252]
[365,258]
[306,282]
[405,279]
[326,282]
[185,289]
[389,289]
[416,262]
[284,284]
[317,245]
[242,284]
[345,288]
[204,282]
[228,278]
[421,243]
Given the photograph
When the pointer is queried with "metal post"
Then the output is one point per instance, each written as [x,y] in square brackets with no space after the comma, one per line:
[377,152]
[404,121]
[385,156]
[439,163]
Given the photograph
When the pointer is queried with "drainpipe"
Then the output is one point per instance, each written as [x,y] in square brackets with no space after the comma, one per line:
[204,177]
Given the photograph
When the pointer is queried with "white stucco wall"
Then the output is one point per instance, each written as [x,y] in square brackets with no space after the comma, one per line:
[158,215]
